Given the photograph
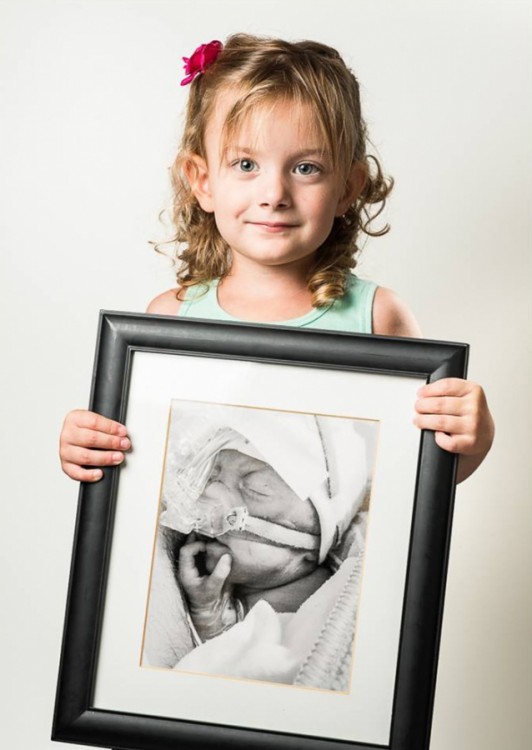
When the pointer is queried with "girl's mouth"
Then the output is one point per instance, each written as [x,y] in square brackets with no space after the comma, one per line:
[273,227]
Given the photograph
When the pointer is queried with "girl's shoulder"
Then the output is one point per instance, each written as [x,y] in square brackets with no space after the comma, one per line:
[166,303]
[391,316]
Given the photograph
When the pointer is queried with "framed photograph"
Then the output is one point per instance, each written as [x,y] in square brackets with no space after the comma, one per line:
[267,568]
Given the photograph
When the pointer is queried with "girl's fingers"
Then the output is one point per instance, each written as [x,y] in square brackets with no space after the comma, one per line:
[441,405]
[453,443]
[457,412]
[440,423]
[75,454]
[80,474]
[92,421]
[447,387]
[453,434]
[97,439]
[90,440]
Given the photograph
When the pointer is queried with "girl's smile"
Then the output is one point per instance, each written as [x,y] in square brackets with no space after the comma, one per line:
[273,227]
[273,224]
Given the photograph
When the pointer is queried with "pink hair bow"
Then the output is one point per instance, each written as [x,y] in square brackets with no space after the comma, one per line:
[200,60]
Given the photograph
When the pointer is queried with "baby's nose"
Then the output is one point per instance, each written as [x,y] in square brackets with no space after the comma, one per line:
[220,494]
[214,509]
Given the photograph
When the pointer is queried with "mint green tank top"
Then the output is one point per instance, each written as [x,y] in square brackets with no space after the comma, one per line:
[352,313]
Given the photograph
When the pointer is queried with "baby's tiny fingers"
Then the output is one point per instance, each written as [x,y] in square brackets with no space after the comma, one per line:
[221,571]
[188,572]
[188,552]
[213,584]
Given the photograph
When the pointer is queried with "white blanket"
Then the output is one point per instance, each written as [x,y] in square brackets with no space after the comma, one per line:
[312,646]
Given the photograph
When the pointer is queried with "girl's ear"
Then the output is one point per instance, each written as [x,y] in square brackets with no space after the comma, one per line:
[356,179]
[197,174]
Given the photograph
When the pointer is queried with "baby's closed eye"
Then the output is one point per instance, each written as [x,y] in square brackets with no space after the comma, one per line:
[258,482]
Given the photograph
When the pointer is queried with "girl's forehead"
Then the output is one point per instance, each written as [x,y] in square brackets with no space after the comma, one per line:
[252,122]
[294,116]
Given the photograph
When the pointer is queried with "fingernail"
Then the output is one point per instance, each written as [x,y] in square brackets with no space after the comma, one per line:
[117,457]
[122,430]
[124,443]
[97,474]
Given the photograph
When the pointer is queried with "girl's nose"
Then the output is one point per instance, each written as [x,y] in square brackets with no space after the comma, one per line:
[274,191]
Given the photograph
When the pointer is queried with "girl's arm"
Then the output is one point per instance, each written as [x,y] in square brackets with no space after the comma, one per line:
[89,441]
[455,409]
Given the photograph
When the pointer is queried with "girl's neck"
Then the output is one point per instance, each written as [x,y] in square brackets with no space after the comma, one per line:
[265,293]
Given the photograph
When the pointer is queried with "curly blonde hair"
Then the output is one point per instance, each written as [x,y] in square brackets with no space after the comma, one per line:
[261,70]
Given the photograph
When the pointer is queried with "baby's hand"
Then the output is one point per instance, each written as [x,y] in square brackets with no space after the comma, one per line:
[458,413]
[211,608]
[88,439]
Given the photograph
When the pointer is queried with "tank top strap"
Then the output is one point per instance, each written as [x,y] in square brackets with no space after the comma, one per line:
[352,313]
[201,301]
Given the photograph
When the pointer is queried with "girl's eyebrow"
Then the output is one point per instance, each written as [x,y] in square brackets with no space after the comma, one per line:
[305,152]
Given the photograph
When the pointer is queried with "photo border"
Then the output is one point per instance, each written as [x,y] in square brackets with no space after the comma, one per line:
[120,335]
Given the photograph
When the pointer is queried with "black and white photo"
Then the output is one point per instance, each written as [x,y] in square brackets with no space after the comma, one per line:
[260,544]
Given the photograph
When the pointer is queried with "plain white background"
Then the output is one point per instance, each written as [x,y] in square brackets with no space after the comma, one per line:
[91,107]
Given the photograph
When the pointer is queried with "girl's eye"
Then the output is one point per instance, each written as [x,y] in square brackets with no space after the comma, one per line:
[306,168]
[245,165]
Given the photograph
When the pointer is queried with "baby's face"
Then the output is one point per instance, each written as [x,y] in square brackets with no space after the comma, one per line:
[237,479]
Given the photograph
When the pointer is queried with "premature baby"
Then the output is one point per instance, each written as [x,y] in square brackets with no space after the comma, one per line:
[264,498]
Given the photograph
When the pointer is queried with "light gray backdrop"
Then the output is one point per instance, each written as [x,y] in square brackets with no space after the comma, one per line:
[90,114]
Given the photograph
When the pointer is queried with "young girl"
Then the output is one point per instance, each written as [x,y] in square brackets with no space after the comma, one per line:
[273,187]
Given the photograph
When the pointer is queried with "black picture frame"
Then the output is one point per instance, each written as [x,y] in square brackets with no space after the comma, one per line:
[120,337]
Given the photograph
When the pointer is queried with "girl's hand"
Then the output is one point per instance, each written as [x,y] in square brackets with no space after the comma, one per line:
[88,440]
[457,411]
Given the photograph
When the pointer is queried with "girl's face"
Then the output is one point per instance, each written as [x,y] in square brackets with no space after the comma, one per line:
[237,479]
[273,190]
